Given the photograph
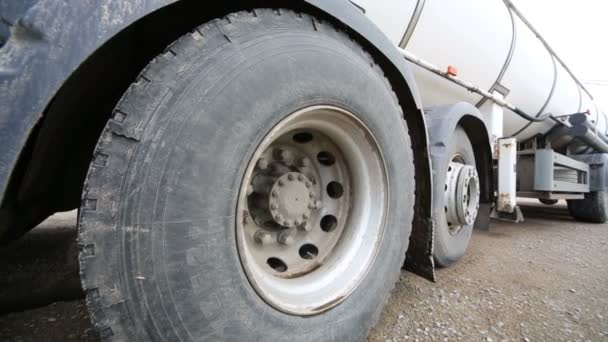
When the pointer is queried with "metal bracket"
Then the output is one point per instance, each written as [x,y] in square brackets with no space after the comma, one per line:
[516,216]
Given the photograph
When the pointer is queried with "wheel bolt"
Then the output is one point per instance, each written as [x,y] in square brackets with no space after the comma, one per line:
[318,204]
[281,154]
[304,161]
[291,177]
[274,206]
[274,194]
[301,178]
[311,205]
[262,237]
[263,164]
[281,182]
[287,223]
[278,218]
[305,216]
[308,185]
[285,238]
[297,222]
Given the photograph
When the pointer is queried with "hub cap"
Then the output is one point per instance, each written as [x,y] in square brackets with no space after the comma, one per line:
[461,195]
[311,210]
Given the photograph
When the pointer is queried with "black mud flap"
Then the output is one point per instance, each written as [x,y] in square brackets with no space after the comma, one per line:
[419,258]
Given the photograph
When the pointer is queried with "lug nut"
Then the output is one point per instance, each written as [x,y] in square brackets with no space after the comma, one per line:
[301,178]
[274,194]
[262,237]
[297,222]
[263,164]
[281,182]
[291,177]
[305,217]
[304,161]
[285,238]
[278,218]
[281,154]
[274,206]
[318,204]
[311,205]
[287,223]
[308,185]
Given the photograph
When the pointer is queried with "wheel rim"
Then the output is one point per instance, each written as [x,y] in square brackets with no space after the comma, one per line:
[311,210]
[461,195]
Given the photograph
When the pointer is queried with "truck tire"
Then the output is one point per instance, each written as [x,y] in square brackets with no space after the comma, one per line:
[241,190]
[594,208]
[456,210]
[547,201]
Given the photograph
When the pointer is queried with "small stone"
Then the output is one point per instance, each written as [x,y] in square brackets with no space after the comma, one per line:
[401,317]
[51,319]
[573,290]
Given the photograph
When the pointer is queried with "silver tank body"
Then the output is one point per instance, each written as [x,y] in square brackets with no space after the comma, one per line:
[492,48]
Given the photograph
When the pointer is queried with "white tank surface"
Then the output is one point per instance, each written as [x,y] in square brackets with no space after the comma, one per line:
[493,48]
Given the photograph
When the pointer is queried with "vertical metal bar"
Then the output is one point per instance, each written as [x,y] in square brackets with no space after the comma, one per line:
[495,123]
[507,163]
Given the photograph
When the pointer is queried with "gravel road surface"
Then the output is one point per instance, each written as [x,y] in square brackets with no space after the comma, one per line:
[543,280]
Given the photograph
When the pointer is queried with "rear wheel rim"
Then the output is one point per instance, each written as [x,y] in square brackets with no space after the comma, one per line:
[312,209]
[461,195]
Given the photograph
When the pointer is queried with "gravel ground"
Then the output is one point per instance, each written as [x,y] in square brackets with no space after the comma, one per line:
[544,280]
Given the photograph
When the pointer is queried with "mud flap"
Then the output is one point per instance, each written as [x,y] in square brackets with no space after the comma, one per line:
[419,258]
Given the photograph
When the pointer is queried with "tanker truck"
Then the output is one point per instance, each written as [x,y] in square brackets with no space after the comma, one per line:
[263,170]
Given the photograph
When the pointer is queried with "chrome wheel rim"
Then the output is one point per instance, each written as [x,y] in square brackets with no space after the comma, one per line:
[461,195]
[311,211]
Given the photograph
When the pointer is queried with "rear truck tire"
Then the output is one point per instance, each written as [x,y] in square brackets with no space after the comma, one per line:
[455,212]
[594,208]
[256,183]
[547,201]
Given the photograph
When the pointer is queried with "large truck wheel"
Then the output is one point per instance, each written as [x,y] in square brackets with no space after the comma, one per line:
[455,209]
[255,184]
[594,208]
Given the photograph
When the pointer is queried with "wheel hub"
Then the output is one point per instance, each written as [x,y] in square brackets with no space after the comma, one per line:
[291,199]
[461,196]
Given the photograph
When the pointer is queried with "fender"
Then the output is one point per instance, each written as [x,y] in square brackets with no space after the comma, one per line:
[442,121]
[44,49]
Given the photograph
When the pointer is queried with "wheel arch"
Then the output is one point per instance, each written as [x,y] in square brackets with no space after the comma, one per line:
[50,145]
